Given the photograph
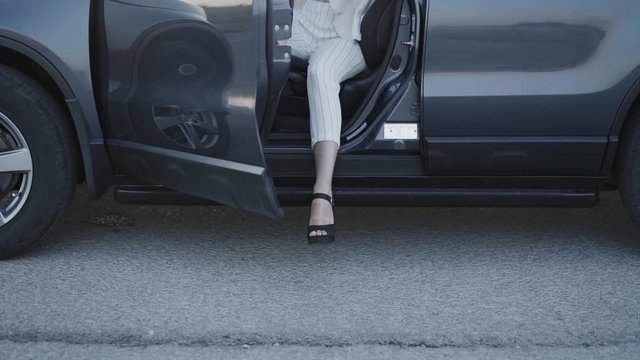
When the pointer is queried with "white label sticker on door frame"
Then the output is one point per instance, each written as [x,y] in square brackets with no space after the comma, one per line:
[401,131]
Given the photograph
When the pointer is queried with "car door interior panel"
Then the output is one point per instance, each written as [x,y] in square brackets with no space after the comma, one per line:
[181,95]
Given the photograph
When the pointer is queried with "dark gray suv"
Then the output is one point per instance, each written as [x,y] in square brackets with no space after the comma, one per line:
[464,103]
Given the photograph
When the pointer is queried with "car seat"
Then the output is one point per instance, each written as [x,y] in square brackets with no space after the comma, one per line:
[377,28]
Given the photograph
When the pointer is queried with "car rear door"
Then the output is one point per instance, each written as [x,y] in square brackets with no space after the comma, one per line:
[524,88]
[182,85]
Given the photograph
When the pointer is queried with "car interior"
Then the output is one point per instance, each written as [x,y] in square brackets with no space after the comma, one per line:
[379,28]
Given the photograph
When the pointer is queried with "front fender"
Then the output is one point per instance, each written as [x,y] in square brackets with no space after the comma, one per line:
[56,36]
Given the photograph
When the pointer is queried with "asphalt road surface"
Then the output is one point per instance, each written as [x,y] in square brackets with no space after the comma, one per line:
[120,281]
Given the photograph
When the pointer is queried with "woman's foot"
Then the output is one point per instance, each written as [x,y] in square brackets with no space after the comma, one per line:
[321,227]
[321,214]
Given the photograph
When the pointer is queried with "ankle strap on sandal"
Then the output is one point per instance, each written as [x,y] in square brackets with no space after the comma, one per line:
[323,197]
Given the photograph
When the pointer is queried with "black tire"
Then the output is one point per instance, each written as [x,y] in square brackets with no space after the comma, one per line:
[629,165]
[49,135]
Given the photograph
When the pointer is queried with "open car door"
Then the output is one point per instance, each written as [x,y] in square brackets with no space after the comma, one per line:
[183,88]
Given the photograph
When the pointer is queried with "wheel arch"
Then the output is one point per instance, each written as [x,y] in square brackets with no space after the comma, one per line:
[626,110]
[96,166]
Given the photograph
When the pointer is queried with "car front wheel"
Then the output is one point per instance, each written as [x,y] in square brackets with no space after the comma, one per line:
[38,162]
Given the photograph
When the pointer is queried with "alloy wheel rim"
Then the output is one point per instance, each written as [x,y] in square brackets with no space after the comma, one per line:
[16,170]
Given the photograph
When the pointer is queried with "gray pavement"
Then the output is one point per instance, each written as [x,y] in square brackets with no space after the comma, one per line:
[206,282]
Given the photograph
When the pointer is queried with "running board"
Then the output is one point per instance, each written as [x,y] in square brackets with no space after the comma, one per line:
[411,197]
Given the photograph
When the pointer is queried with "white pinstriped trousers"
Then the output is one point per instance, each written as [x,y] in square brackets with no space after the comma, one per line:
[332,60]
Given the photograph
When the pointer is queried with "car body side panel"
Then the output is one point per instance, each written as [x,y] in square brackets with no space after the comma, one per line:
[508,84]
[55,34]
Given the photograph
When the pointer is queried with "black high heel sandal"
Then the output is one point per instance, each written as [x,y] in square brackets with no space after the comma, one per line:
[329,229]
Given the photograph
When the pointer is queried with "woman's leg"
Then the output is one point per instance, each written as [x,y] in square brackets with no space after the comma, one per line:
[333,62]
